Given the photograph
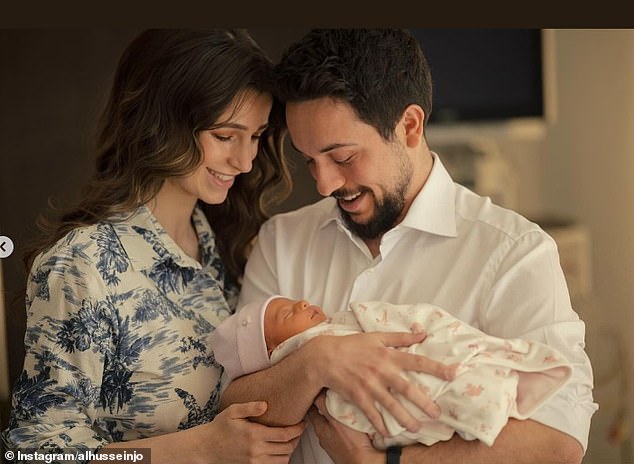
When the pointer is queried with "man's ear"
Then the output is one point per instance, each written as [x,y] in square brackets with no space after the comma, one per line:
[412,123]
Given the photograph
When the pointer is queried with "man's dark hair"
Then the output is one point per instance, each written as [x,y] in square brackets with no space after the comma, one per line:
[379,72]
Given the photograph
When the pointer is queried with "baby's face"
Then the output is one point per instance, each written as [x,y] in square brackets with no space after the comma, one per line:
[284,318]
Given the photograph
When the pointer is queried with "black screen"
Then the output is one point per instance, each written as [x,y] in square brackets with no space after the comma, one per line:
[484,74]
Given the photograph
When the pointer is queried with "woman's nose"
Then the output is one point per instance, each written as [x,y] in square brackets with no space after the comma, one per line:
[242,160]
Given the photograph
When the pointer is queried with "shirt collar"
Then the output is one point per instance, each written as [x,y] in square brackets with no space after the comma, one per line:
[147,243]
[433,209]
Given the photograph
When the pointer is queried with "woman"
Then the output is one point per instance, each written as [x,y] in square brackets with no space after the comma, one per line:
[129,284]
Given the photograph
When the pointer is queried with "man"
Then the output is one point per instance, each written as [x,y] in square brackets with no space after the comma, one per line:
[396,228]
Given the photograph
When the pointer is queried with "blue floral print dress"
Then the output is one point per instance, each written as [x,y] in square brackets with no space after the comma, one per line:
[118,321]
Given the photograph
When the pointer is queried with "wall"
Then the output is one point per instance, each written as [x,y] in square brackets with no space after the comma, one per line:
[51,87]
[583,170]
[588,169]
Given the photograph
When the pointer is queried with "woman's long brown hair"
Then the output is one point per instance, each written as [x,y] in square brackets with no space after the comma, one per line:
[170,85]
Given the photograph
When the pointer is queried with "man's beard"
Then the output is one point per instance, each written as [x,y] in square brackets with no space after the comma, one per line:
[389,210]
[387,213]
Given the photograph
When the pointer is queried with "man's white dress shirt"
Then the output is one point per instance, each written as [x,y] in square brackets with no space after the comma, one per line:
[487,265]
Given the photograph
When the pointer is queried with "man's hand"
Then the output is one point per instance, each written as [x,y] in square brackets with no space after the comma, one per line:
[365,370]
[343,445]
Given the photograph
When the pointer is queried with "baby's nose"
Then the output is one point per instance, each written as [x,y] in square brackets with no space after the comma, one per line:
[302,305]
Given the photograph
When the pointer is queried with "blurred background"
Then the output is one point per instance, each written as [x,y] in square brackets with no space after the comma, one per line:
[554,140]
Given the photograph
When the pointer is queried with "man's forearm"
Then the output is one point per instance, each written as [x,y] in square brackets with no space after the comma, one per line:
[520,442]
[289,387]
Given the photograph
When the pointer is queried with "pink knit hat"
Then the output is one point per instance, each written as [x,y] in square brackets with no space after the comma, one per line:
[238,342]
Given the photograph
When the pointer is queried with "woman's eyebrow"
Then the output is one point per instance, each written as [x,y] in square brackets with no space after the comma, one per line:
[235,125]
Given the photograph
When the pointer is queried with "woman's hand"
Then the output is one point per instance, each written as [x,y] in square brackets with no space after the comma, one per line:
[233,438]
[365,370]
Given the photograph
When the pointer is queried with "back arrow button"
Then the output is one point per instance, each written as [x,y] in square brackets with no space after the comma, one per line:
[6,246]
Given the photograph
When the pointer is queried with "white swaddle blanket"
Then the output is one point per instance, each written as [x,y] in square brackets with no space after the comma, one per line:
[496,378]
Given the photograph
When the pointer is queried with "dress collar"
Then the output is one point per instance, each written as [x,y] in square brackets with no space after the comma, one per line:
[146,242]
